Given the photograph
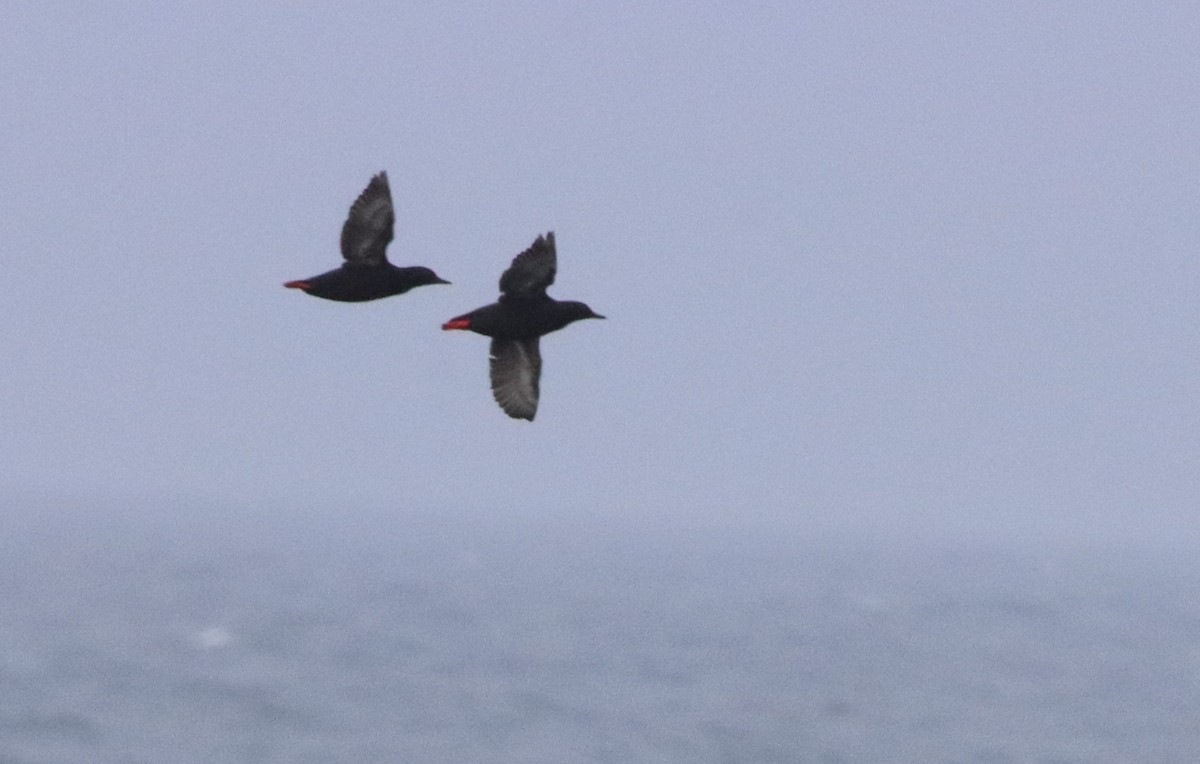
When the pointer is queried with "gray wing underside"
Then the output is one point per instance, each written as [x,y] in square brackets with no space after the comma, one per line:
[516,366]
[368,228]
[531,271]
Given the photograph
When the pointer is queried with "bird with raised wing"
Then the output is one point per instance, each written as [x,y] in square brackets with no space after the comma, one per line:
[367,274]
[517,321]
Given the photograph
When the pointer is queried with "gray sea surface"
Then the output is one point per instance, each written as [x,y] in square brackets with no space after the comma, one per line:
[427,637]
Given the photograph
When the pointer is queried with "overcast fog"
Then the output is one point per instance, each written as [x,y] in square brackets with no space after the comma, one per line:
[913,267]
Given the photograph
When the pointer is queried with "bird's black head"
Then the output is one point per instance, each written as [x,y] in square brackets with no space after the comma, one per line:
[422,276]
[575,311]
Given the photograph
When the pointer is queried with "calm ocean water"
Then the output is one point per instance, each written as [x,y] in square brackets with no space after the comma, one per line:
[127,639]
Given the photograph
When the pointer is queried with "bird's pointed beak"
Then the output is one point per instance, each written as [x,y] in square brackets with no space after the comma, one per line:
[597,315]
[457,323]
[441,281]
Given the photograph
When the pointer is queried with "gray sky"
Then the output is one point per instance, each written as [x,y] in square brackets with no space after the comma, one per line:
[925,265]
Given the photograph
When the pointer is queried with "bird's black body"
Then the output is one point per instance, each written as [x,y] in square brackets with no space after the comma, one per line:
[367,274]
[360,283]
[522,319]
[517,320]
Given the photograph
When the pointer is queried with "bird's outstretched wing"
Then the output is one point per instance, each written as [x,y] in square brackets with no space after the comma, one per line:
[532,270]
[516,366]
[368,229]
